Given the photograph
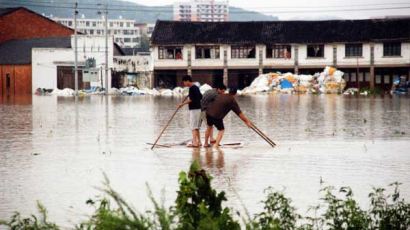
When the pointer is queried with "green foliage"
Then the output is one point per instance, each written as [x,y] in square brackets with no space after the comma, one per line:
[123,216]
[375,91]
[198,206]
[278,213]
[389,215]
[343,213]
[30,223]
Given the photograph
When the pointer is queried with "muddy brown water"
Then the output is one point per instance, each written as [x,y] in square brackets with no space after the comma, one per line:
[55,150]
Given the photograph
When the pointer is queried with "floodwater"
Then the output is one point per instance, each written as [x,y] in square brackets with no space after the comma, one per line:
[55,150]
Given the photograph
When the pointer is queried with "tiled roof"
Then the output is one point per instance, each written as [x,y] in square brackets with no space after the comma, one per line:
[4,11]
[264,32]
[19,51]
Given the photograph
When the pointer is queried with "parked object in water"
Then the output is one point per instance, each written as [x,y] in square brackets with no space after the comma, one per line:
[401,86]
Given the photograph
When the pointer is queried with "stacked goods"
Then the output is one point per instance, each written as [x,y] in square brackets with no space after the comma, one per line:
[328,81]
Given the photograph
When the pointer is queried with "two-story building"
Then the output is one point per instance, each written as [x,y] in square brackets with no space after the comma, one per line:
[370,52]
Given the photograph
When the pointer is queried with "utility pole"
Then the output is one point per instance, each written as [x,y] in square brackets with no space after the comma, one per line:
[106,48]
[75,51]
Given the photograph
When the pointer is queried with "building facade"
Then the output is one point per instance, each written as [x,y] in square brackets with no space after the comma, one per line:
[53,67]
[202,10]
[17,37]
[126,33]
[372,53]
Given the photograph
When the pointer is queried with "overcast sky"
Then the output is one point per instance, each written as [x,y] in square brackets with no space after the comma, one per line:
[284,9]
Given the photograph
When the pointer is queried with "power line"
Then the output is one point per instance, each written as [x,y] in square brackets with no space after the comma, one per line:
[266,12]
[71,3]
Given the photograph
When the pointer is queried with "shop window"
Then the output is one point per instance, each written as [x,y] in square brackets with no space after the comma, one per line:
[170,52]
[354,50]
[278,51]
[392,49]
[378,79]
[316,51]
[386,79]
[207,52]
[243,52]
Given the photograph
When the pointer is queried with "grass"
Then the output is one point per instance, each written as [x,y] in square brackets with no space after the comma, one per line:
[199,206]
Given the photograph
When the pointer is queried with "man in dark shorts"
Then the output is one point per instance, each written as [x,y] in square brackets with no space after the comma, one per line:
[194,103]
[209,97]
[216,112]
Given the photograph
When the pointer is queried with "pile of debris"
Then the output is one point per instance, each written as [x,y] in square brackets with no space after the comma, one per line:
[126,91]
[329,81]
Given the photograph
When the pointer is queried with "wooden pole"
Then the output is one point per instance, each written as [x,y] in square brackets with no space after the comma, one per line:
[261,134]
[166,126]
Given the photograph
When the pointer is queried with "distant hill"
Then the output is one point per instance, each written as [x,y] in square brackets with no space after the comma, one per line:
[118,8]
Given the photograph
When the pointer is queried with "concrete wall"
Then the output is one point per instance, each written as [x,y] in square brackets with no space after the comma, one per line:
[46,60]
[404,59]
[303,60]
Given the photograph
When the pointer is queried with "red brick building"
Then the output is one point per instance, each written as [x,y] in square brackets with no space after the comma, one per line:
[22,24]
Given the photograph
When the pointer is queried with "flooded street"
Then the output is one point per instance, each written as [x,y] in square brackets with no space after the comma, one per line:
[55,150]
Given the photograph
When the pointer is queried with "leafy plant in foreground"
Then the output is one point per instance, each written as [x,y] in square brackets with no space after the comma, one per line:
[30,223]
[198,206]
[278,213]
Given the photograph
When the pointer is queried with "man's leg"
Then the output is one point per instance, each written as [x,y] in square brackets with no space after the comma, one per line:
[208,132]
[195,136]
[211,135]
[221,129]
[219,137]
[198,137]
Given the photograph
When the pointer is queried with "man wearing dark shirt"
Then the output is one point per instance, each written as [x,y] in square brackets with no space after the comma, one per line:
[209,97]
[194,104]
[216,112]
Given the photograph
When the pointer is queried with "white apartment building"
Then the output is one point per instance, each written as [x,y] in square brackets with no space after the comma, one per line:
[202,10]
[372,53]
[125,32]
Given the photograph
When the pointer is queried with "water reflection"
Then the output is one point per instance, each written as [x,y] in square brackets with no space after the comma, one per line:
[361,142]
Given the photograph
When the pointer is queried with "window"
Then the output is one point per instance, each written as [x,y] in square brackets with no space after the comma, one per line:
[121,24]
[127,39]
[207,52]
[315,51]
[354,50]
[91,31]
[135,40]
[94,24]
[392,49]
[243,51]
[279,51]
[87,23]
[170,52]
[111,24]
[70,23]
[128,24]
